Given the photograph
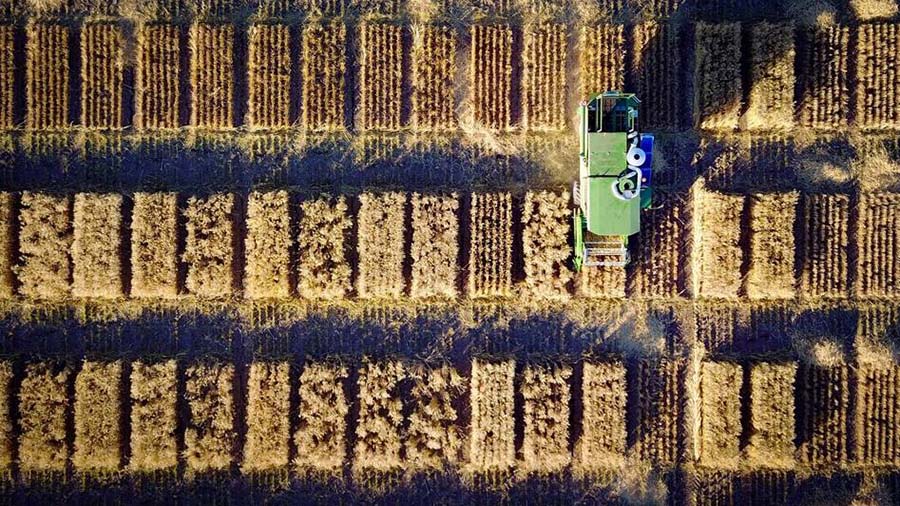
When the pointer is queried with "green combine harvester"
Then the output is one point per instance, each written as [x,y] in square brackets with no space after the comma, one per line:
[614,179]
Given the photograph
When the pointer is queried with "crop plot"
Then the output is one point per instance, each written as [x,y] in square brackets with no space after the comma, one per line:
[658,264]
[433,66]
[717,74]
[324,64]
[43,407]
[824,271]
[545,394]
[157,76]
[603,438]
[433,436]
[823,414]
[268,411]
[602,58]
[6,419]
[378,429]
[877,243]
[660,399]
[490,75]
[546,221]
[102,69]
[269,76]
[655,73]
[490,249]
[45,238]
[7,238]
[544,78]
[154,229]
[381,229]
[709,488]
[98,417]
[380,76]
[323,267]
[7,77]
[878,78]
[154,418]
[772,414]
[878,415]
[47,77]
[720,411]
[435,245]
[771,272]
[96,248]
[209,249]
[716,244]
[212,76]
[772,56]
[321,436]
[267,245]
[822,66]
[491,444]
[209,434]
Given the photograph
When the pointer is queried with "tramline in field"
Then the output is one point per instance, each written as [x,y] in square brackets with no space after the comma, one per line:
[614,181]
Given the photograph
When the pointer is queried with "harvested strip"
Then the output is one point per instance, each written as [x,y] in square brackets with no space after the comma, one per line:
[603,438]
[98,421]
[824,414]
[268,408]
[434,437]
[380,76]
[322,433]
[102,69]
[546,221]
[655,72]
[154,261]
[490,247]
[659,263]
[717,75]
[7,238]
[717,254]
[212,76]
[323,269]
[381,229]
[772,414]
[267,245]
[660,400]
[96,249]
[720,426]
[602,59]
[878,77]
[771,272]
[877,242]
[324,64]
[878,415]
[772,58]
[6,419]
[157,77]
[435,245]
[378,436]
[544,78]
[269,76]
[824,271]
[545,393]
[434,57]
[209,251]
[209,435]
[47,77]
[153,416]
[822,74]
[491,445]
[490,68]
[45,238]
[43,405]
[7,77]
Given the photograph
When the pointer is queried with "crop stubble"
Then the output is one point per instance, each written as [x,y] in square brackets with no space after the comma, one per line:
[381,228]
[212,76]
[877,76]
[658,262]
[877,242]
[434,60]
[7,77]
[267,245]
[269,76]
[323,267]
[435,245]
[47,77]
[544,78]
[490,74]
[655,70]
[380,76]
[324,64]
[825,264]
[824,418]
[102,71]
[157,77]
[490,248]
[877,414]
[7,240]
[603,438]
[659,405]
[822,75]
[717,74]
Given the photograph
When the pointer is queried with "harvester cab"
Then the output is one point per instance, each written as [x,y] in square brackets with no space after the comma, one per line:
[614,179]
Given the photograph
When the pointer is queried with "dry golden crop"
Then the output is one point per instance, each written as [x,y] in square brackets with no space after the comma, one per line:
[7,77]
[45,238]
[490,75]
[824,100]
[720,416]
[433,66]
[771,273]
[6,420]
[878,234]
[267,245]
[154,418]
[269,76]
[546,221]
[655,69]
[378,428]
[102,71]
[435,245]
[772,414]
[154,229]
[212,76]
[544,78]
[381,227]
[96,248]
[491,443]
[602,59]
[433,437]
[823,426]
[824,265]
[209,433]
[877,415]
[323,268]
[603,437]
[380,76]
[602,281]
[268,416]
[717,74]
[157,76]
[659,260]
[7,238]
[324,64]
[98,399]
[323,7]
[877,76]
[490,247]
[716,243]
[545,413]
[660,401]
[209,248]
[772,55]
[321,436]
[47,81]
[43,406]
